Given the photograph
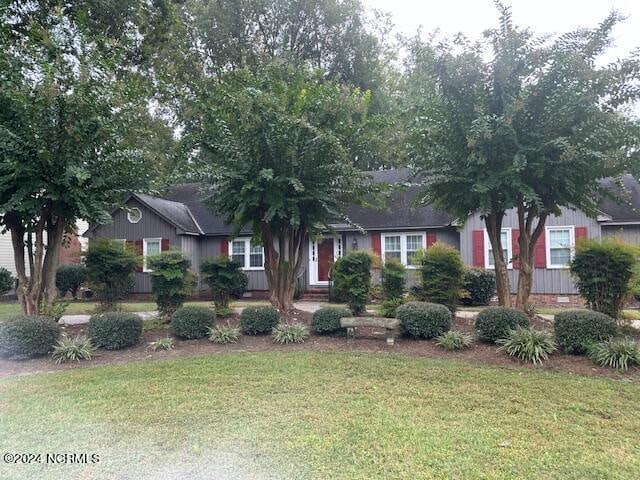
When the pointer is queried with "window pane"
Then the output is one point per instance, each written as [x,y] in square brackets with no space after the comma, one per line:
[237,247]
[559,239]
[392,244]
[153,247]
[414,242]
[239,259]
[392,254]
[560,256]
[504,239]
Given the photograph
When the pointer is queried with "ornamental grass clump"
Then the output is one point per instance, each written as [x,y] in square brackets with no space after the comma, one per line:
[290,333]
[454,340]
[224,334]
[618,353]
[74,349]
[528,344]
[165,343]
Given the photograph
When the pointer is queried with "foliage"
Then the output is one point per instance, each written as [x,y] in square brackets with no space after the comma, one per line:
[289,333]
[225,278]
[154,324]
[352,280]
[73,349]
[165,343]
[326,320]
[224,334]
[424,320]
[602,271]
[494,323]
[258,320]
[7,282]
[479,285]
[171,281]
[27,336]
[55,310]
[192,322]
[69,278]
[528,344]
[577,330]
[441,271]
[616,353]
[115,330]
[393,278]
[389,307]
[454,340]
[110,271]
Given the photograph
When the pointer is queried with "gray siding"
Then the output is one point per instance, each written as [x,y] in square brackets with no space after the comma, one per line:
[556,281]
[627,233]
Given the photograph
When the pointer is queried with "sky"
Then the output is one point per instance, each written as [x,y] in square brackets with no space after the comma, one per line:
[472,17]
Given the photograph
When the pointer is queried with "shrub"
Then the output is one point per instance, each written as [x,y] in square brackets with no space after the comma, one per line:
[225,278]
[616,353]
[224,334]
[327,319]
[352,280]
[258,320]
[73,349]
[289,333]
[527,344]
[165,343]
[454,340]
[479,285]
[192,322]
[69,278]
[171,281]
[110,271]
[7,281]
[393,278]
[494,323]
[54,311]
[441,271]
[115,330]
[389,307]
[27,336]
[577,330]
[602,272]
[424,320]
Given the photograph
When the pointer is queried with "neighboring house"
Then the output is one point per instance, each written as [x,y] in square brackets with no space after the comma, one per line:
[182,221]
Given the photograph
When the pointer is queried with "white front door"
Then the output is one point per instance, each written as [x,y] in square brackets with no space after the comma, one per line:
[323,252]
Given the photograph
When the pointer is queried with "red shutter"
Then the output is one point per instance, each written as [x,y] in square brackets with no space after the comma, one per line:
[515,247]
[224,247]
[581,232]
[376,244]
[431,238]
[540,252]
[478,248]
[164,244]
[139,252]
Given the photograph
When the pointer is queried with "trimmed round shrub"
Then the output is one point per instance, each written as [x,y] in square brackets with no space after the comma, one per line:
[69,278]
[479,285]
[327,319]
[115,330]
[494,323]
[577,330]
[192,322]
[424,320]
[27,336]
[258,320]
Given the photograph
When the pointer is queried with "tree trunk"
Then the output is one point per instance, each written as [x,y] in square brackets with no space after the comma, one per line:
[493,223]
[527,244]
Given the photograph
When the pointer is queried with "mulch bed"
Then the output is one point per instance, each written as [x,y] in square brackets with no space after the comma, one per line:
[366,341]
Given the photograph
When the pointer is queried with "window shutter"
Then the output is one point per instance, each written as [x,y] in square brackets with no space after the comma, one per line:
[139,252]
[431,238]
[376,244]
[224,247]
[478,248]
[164,244]
[515,247]
[540,252]
[581,232]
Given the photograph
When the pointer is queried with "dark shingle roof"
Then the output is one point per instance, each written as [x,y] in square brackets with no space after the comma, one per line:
[176,213]
[625,207]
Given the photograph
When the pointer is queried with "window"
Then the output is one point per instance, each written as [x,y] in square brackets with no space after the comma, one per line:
[250,257]
[150,246]
[134,215]
[402,246]
[560,242]
[505,239]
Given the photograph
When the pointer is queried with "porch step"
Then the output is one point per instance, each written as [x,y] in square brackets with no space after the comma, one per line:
[315,296]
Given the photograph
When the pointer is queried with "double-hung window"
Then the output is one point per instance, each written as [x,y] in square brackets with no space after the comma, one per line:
[150,246]
[249,257]
[560,243]
[402,246]
[507,249]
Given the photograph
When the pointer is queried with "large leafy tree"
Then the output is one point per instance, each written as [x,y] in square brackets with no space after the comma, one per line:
[271,148]
[535,127]
[71,103]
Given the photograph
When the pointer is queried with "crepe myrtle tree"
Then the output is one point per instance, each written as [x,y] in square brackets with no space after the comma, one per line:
[270,147]
[536,128]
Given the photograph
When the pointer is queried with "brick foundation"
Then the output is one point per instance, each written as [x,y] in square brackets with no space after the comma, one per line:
[552,300]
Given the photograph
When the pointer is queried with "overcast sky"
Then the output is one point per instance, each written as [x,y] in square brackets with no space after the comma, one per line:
[472,17]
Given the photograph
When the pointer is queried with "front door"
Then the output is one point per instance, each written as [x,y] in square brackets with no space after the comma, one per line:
[322,254]
[325,258]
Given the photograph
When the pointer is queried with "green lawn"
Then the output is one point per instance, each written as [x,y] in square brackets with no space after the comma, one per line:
[334,416]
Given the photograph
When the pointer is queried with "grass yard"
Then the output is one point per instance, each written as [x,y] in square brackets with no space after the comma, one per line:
[320,415]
